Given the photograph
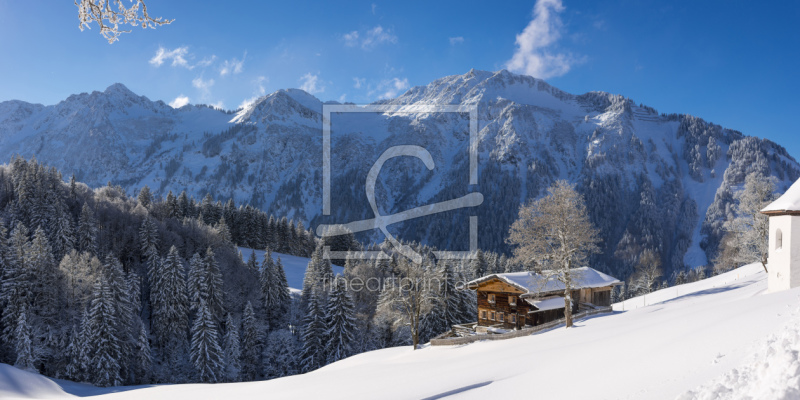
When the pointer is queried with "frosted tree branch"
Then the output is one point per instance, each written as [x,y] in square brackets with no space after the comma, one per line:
[110,15]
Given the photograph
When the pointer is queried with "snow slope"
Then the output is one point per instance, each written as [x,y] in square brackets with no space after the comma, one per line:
[656,352]
[293,266]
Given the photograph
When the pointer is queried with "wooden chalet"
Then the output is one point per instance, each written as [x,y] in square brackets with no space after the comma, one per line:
[520,299]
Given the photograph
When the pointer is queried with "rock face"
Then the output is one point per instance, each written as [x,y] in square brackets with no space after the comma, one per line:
[663,182]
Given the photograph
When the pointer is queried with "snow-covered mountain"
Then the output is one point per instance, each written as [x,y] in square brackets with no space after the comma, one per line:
[650,180]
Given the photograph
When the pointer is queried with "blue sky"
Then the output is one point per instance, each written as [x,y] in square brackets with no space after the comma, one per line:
[730,62]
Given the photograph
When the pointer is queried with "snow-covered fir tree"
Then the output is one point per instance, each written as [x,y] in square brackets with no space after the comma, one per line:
[206,353]
[251,345]
[341,327]
[282,351]
[143,357]
[170,306]
[103,341]
[312,355]
[26,354]
[231,350]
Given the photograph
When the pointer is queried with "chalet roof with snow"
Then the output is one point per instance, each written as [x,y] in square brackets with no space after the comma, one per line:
[788,204]
[532,282]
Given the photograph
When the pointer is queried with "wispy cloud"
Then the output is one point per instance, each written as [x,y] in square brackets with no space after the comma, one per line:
[311,83]
[204,86]
[260,90]
[179,101]
[351,39]
[370,38]
[358,82]
[207,61]
[232,66]
[456,40]
[533,55]
[178,57]
[390,88]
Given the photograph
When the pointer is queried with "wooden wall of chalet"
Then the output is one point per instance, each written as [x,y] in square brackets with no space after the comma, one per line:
[502,291]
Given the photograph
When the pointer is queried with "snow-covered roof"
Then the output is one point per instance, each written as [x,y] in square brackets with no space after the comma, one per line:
[532,282]
[789,201]
[553,303]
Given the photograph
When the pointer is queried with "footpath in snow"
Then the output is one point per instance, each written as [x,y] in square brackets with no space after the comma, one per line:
[722,335]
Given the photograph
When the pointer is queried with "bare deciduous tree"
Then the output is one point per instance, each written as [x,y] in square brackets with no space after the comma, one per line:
[406,298]
[647,272]
[749,228]
[556,234]
[110,14]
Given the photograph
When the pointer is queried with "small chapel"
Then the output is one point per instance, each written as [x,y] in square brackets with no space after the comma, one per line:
[784,240]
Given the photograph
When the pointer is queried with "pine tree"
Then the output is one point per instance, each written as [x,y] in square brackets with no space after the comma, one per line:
[145,198]
[251,345]
[478,266]
[232,351]
[26,357]
[205,283]
[341,329]
[196,281]
[223,231]
[281,348]
[318,274]
[73,353]
[87,231]
[15,289]
[206,353]
[312,355]
[170,306]
[104,341]
[42,278]
[252,263]
[84,350]
[143,359]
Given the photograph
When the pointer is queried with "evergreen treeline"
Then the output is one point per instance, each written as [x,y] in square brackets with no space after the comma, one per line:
[99,287]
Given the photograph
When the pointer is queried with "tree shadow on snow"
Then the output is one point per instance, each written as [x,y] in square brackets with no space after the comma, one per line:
[457,391]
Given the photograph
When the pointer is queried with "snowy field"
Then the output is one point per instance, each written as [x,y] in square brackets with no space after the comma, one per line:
[293,266]
[720,337]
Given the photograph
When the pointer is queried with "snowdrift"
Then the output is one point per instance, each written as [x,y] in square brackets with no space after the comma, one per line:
[696,343]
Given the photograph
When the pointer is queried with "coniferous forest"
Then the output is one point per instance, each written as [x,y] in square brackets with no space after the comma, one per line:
[104,288]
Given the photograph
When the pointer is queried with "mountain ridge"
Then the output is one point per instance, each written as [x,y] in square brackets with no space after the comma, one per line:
[662,181]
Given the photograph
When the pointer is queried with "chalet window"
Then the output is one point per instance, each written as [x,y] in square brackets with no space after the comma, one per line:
[491,316]
[512,300]
[513,318]
[500,317]
[778,239]
[491,298]
[483,314]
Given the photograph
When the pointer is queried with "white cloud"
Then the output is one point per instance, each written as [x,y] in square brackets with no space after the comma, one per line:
[218,105]
[532,56]
[351,39]
[392,87]
[179,101]
[369,39]
[456,40]
[358,82]
[374,8]
[178,57]
[311,83]
[259,91]
[203,86]
[207,61]
[376,36]
[233,66]
[342,98]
